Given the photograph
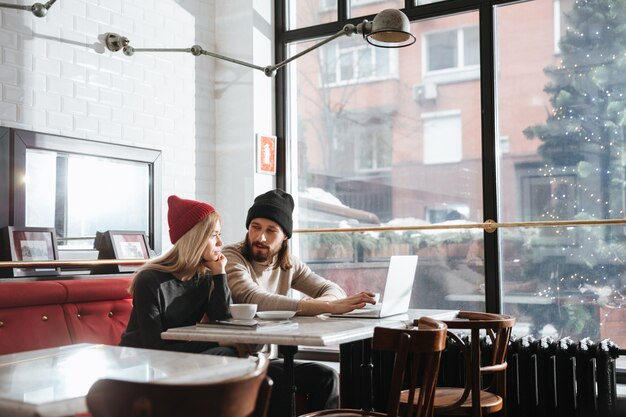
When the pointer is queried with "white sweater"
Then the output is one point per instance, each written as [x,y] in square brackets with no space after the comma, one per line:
[269,288]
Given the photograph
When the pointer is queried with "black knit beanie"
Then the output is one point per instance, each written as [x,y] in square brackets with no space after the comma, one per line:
[275,205]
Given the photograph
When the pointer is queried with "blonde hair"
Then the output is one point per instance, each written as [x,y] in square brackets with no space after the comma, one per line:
[184,259]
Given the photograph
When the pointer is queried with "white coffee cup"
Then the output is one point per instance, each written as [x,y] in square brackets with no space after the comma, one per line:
[243,311]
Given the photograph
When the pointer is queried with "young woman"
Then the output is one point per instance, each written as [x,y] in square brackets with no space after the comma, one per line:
[183,286]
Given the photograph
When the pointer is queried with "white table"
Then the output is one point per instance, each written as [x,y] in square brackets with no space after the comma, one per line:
[311,331]
[54,382]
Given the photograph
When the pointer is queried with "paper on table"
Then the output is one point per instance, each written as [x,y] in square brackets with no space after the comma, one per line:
[259,325]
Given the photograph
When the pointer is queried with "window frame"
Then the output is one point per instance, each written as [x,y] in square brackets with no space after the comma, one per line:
[15,142]
[417,12]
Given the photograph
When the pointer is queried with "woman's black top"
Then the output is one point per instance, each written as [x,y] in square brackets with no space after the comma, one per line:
[161,301]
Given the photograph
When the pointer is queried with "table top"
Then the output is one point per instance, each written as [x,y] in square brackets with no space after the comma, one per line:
[54,382]
[321,330]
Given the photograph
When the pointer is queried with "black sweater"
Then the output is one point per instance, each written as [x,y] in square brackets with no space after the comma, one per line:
[161,301]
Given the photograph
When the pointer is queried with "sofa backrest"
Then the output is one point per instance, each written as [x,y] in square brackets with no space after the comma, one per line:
[42,314]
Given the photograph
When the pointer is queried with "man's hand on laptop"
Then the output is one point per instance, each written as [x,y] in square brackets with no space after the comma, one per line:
[330,304]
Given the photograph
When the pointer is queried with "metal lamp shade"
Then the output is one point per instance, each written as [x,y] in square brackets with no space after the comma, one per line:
[390,29]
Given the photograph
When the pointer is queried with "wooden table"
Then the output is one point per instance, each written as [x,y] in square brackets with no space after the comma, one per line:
[54,382]
[311,331]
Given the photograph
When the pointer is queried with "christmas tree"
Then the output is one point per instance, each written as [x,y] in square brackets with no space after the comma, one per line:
[584,134]
[583,153]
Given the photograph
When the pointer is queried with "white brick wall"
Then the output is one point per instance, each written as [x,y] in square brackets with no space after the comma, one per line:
[56,77]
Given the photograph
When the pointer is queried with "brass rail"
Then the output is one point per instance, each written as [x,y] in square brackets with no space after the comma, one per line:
[488,226]
[70,263]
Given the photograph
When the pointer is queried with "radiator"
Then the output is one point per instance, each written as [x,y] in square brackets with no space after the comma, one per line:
[545,377]
[549,377]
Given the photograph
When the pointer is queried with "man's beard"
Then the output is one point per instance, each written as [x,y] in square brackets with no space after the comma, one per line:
[260,256]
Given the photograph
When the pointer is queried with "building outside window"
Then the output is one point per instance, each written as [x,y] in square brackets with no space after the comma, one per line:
[346,61]
[442,137]
[557,153]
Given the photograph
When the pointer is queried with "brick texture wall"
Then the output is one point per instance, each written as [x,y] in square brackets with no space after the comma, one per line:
[56,77]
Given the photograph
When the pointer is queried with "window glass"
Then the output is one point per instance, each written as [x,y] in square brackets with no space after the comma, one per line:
[442,138]
[40,185]
[563,116]
[452,49]
[80,195]
[377,152]
[371,7]
[352,60]
[304,13]
[442,50]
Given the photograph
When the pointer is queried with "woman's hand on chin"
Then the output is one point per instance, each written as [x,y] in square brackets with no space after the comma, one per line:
[218,265]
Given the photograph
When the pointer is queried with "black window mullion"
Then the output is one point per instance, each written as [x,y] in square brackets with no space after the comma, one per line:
[493,296]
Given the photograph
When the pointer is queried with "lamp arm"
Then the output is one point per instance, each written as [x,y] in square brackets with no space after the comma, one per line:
[38,9]
[233,60]
[347,30]
[16,6]
[195,50]
[114,42]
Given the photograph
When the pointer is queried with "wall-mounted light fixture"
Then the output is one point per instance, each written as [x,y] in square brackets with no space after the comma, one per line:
[389,29]
[38,9]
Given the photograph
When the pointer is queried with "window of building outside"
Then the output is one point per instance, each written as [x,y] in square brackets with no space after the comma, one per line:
[451,54]
[346,61]
[561,8]
[562,117]
[383,124]
[442,137]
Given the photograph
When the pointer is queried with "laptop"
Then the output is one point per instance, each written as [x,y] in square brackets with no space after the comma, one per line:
[397,293]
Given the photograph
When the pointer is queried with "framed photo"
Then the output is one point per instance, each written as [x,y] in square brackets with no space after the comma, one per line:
[266,154]
[121,244]
[29,244]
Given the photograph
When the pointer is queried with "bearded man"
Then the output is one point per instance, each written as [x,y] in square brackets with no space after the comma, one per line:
[262,271]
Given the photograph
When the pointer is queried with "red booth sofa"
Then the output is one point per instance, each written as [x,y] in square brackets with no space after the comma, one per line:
[43,314]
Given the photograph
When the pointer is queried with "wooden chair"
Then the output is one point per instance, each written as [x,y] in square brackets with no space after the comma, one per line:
[474,399]
[423,346]
[241,397]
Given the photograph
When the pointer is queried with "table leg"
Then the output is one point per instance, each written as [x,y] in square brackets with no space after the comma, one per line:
[289,382]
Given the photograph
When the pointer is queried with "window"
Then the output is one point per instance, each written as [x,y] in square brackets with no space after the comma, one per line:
[442,138]
[85,201]
[352,60]
[546,198]
[561,9]
[453,53]
[374,150]
[543,162]
[80,187]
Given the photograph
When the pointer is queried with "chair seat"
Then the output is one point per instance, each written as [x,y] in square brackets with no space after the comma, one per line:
[344,412]
[490,403]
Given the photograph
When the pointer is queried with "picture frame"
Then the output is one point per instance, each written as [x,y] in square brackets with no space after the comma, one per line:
[121,244]
[266,154]
[29,244]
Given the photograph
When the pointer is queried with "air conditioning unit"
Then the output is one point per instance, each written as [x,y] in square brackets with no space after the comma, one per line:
[425,92]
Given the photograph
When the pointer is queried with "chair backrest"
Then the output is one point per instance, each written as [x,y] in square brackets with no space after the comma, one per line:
[498,330]
[241,397]
[421,348]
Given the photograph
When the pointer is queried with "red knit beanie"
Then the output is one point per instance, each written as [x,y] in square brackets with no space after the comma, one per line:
[185,214]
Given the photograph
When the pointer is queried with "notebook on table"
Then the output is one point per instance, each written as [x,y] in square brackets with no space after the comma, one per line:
[397,293]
